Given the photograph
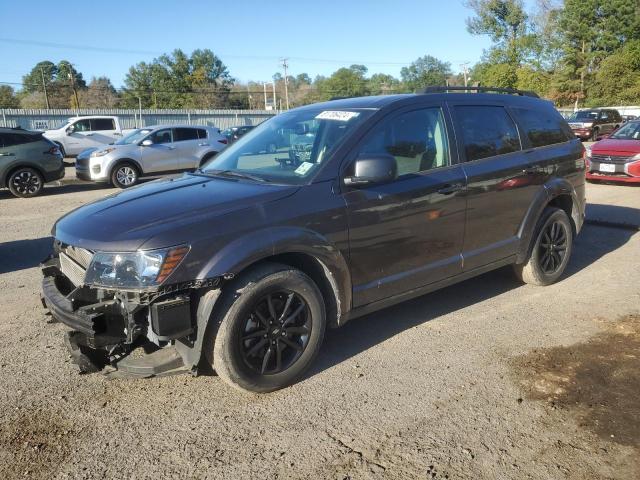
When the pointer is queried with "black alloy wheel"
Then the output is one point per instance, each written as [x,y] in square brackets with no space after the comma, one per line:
[25,182]
[553,247]
[276,333]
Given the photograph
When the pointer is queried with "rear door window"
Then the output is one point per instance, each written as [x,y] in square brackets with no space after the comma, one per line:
[487,131]
[182,134]
[102,124]
[542,127]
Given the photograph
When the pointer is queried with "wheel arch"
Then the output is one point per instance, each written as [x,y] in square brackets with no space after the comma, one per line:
[303,249]
[557,193]
[120,161]
[4,181]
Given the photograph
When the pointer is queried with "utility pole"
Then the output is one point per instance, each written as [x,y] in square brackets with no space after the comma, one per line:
[285,65]
[44,87]
[264,86]
[275,104]
[465,71]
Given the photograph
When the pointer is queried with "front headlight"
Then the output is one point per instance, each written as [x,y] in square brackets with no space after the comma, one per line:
[103,152]
[141,269]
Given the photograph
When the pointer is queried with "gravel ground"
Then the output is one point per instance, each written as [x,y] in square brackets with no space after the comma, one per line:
[485,379]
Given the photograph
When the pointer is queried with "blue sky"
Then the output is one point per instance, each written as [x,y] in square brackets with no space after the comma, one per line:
[318,36]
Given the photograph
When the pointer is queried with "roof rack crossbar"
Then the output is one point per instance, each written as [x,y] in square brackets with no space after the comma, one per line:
[513,91]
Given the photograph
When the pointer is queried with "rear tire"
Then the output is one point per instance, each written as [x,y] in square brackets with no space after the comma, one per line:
[25,182]
[270,325]
[551,249]
[125,175]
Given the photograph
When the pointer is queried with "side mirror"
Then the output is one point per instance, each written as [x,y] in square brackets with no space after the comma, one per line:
[69,130]
[373,168]
[146,143]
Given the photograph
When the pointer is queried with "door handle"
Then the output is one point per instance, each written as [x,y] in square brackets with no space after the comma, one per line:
[203,144]
[449,189]
[3,154]
[171,148]
[89,134]
[116,134]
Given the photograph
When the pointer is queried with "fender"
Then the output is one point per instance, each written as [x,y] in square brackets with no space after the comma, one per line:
[262,244]
[117,162]
[552,189]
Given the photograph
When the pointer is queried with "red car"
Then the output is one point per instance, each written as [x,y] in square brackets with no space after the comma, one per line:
[616,158]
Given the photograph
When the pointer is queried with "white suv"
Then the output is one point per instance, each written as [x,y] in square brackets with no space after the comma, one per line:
[150,151]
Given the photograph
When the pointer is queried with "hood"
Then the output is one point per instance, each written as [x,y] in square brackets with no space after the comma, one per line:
[126,220]
[612,145]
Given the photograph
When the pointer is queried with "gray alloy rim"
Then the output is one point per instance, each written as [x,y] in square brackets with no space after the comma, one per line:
[26,182]
[553,247]
[276,333]
[126,176]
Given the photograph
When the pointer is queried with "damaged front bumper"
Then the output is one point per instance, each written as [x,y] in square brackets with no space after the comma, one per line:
[134,333]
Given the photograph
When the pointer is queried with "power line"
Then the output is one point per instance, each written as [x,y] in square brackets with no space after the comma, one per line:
[227,55]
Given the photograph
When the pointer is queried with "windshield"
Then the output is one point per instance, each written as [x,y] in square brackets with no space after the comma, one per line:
[629,131]
[134,136]
[289,148]
[584,115]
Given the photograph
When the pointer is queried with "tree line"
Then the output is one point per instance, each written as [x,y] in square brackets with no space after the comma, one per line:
[574,52]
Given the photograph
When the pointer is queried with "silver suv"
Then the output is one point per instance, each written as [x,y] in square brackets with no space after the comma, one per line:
[148,151]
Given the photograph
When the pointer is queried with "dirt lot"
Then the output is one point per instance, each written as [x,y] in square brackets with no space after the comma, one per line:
[486,379]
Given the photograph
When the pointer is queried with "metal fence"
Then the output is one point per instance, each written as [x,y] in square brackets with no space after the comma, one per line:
[43,119]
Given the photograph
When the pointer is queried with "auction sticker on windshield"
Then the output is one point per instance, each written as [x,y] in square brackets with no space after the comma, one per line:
[304,168]
[340,116]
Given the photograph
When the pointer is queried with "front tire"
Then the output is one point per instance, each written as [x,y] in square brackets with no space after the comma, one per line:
[551,250]
[25,182]
[271,325]
[125,175]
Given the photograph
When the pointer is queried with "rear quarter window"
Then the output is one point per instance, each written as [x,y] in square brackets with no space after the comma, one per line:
[543,127]
[182,134]
[13,139]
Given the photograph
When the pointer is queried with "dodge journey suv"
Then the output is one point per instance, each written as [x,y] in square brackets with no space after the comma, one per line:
[241,265]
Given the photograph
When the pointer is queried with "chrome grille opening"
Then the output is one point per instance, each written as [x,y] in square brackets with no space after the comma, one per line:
[618,159]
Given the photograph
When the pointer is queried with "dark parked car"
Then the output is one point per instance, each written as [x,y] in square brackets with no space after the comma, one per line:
[234,133]
[592,124]
[28,161]
[240,266]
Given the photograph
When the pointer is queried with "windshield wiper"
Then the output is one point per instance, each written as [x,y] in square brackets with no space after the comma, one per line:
[234,174]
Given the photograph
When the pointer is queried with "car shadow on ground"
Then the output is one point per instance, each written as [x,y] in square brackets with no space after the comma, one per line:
[363,333]
[50,190]
[22,254]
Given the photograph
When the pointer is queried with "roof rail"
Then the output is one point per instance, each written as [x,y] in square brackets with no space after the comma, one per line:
[512,91]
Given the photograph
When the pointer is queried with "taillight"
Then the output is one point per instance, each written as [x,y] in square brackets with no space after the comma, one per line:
[53,151]
[224,140]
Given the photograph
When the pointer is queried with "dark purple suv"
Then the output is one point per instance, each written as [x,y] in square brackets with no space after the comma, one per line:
[241,265]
